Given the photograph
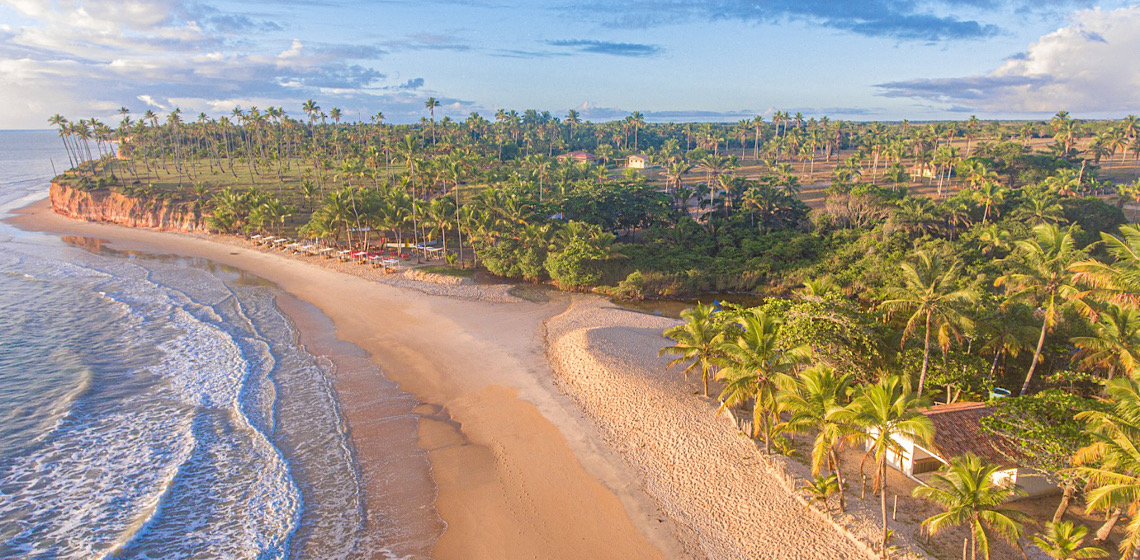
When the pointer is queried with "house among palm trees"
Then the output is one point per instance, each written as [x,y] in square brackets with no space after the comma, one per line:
[577,157]
[929,171]
[637,161]
[957,431]
[123,147]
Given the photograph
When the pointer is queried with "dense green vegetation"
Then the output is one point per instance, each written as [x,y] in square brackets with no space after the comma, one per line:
[907,262]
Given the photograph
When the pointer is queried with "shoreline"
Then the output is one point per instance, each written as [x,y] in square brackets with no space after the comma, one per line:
[512,458]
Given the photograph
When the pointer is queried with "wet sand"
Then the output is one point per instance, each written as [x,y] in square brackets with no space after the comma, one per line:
[518,470]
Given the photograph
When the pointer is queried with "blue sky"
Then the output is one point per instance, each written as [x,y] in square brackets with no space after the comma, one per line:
[677,60]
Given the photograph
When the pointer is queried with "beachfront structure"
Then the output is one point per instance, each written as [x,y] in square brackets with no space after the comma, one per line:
[928,171]
[577,157]
[957,431]
[637,161]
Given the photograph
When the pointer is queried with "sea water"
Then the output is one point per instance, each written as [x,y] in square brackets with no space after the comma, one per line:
[158,407]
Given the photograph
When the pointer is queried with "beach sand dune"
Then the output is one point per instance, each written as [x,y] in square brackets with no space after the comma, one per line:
[696,465]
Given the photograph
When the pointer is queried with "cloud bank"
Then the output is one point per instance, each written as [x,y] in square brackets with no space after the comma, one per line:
[1088,65]
[88,58]
[936,20]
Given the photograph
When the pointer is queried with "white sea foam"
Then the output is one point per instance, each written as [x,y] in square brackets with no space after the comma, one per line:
[177,464]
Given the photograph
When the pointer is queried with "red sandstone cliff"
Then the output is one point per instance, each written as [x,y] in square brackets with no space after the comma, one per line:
[106,206]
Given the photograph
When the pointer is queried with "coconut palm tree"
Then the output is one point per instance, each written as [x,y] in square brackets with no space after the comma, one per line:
[990,195]
[1040,207]
[1117,282]
[754,361]
[430,105]
[697,340]
[992,240]
[975,173]
[713,165]
[312,110]
[1046,282]
[967,490]
[886,412]
[439,215]
[1116,344]
[573,118]
[932,295]
[58,120]
[1062,541]
[817,402]
[1007,331]
[674,173]
[1111,463]
[820,488]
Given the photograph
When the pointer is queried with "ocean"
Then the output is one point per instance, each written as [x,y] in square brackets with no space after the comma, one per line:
[159,407]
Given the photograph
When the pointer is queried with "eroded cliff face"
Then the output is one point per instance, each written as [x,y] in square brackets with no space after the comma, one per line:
[106,206]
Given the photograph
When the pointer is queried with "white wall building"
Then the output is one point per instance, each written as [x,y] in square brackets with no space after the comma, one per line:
[957,431]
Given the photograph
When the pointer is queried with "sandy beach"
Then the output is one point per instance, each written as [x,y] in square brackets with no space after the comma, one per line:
[551,429]
[518,471]
[694,463]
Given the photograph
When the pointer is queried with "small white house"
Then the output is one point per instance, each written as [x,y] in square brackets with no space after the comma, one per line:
[957,431]
[637,161]
[577,157]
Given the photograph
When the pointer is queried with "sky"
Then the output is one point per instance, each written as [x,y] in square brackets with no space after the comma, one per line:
[671,60]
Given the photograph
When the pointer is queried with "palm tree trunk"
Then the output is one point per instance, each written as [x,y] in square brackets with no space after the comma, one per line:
[1106,529]
[925,356]
[993,367]
[1036,356]
[883,502]
[1064,505]
[838,477]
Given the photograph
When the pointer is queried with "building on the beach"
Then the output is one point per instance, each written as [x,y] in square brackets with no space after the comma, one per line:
[578,157]
[927,171]
[957,431]
[637,161]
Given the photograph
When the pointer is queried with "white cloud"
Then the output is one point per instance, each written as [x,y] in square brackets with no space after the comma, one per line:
[85,58]
[151,102]
[1087,67]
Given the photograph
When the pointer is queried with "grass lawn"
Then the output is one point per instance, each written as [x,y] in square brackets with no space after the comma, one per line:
[448,270]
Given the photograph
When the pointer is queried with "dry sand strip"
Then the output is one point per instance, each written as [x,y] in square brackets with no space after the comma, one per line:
[520,472]
[696,466]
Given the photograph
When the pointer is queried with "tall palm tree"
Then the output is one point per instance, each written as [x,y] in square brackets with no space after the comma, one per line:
[697,340]
[932,295]
[1117,282]
[439,215]
[1007,331]
[817,402]
[886,412]
[1040,207]
[1116,341]
[990,195]
[1062,541]
[1111,463]
[713,165]
[430,105]
[573,118]
[1046,283]
[754,362]
[674,173]
[58,120]
[637,122]
[312,110]
[967,490]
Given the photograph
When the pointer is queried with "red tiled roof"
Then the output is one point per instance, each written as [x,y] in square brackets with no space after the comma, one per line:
[576,156]
[958,430]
